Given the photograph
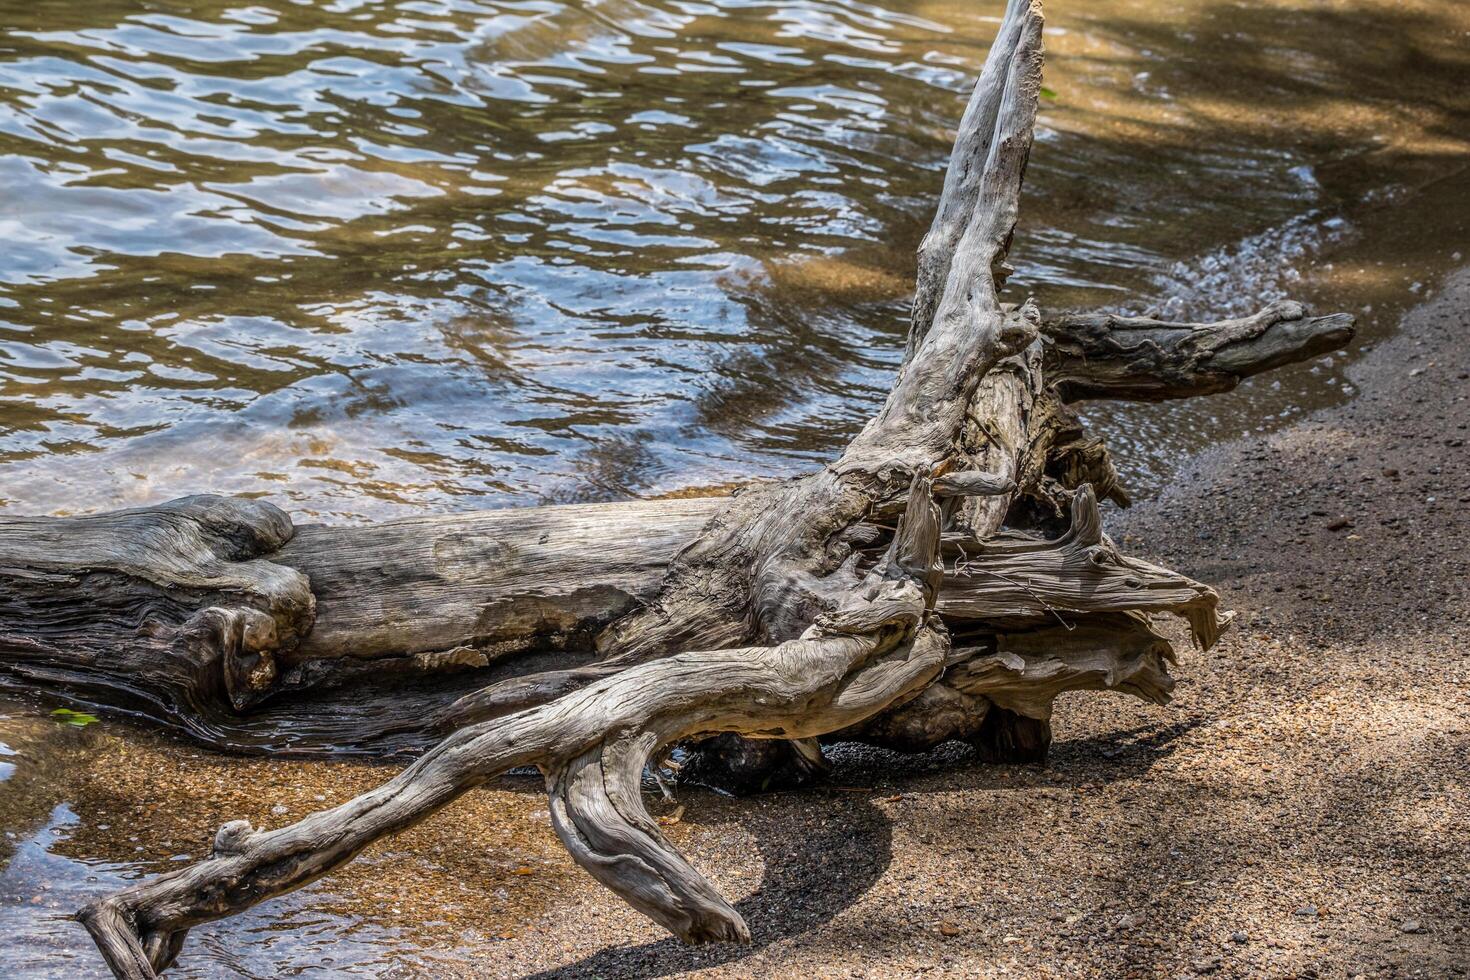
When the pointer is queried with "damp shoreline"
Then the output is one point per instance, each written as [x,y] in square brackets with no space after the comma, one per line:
[1330,718]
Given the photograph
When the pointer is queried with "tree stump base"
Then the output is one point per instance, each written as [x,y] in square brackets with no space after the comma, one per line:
[946,577]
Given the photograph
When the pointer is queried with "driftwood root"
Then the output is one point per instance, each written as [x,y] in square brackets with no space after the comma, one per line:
[945,578]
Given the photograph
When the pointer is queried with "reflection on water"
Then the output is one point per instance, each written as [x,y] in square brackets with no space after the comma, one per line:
[373,258]
[42,940]
[85,811]
[378,257]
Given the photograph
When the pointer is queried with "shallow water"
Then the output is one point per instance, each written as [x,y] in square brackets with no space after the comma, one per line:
[375,258]
[86,810]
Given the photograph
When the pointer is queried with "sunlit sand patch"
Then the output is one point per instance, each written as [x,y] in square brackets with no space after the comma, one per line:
[848,277]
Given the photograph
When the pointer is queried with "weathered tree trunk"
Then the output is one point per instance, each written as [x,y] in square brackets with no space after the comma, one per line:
[946,577]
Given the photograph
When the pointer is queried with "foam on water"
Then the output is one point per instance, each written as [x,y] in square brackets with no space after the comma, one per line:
[1241,278]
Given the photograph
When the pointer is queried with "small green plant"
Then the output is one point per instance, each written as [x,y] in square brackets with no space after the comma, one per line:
[77,719]
[1048,94]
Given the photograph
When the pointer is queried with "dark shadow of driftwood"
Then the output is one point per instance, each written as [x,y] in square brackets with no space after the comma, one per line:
[810,880]
[846,856]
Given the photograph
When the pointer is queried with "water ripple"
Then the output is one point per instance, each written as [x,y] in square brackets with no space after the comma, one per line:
[374,258]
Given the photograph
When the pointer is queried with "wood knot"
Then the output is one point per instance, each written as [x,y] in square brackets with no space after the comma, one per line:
[245,641]
[232,837]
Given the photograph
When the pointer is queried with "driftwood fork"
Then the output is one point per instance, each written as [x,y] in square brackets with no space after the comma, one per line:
[946,577]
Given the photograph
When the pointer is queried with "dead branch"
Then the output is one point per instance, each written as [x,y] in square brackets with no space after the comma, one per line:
[589,638]
[1101,355]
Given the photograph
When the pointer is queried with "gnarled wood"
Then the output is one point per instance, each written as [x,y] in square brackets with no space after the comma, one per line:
[879,647]
[179,594]
[1015,578]
[772,558]
[757,625]
[1102,355]
[460,593]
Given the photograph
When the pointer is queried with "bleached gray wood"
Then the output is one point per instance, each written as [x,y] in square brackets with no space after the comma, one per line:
[174,606]
[821,607]
[194,611]
[1101,355]
[493,581]
[1021,674]
[770,558]
[592,745]
[1016,578]
[460,592]
[969,165]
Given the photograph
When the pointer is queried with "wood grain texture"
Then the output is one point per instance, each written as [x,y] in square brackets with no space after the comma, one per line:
[592,745]
[493,581]
[945,577]
[1101,355]
[174,607]
[767,560]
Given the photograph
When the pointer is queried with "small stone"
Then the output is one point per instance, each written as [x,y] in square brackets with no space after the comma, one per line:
[1306,912]
[1239,937]
[1411,926]
[948,928]
[1208,965]
[1129,921]
[1338,523]
[278,809]
[1390,471]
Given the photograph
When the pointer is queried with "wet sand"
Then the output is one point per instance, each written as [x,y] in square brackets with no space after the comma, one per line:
[1302,809]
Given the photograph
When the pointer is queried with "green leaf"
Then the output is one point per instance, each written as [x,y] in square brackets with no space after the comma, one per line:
[77,719]
[1048,94]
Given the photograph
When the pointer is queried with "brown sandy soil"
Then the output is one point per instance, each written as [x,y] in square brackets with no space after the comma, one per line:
[1301,810]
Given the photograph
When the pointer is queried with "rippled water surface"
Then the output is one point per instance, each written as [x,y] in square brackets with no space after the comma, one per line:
[378,257]
[375,258]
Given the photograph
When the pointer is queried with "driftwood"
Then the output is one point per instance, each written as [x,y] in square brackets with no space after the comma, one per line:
[1101,355]
[947,577]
